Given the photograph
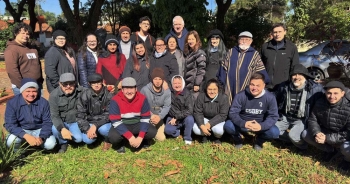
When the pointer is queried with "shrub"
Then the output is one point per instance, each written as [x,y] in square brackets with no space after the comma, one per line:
[5,35]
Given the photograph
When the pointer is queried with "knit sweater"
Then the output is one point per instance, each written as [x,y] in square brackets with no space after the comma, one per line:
[108,68]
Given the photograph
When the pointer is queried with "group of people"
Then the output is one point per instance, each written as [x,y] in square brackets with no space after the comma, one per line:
[137,88]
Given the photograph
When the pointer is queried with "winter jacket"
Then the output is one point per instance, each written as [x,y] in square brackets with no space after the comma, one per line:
[20,116]
[215,112]
[93,108]
[56,64]
[195,68]
[181,41]
[332,120]
[141,76]
[63,108]
[212,66]
[160,103]
[180,61]
[86,67]
[168,63]
[262,109]
[149,42]
[279,62]
[21,62]
[314,92]
[108,68]
[181,103]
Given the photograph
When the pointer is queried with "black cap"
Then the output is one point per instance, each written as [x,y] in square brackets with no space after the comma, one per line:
[335,84]
[215,32]
[111,39]
[301,69]
[95,78]
[58,33]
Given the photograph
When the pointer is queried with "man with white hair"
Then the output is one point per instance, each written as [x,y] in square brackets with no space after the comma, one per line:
[241,63]
[178,31]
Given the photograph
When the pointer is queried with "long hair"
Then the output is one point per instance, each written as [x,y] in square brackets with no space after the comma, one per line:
[222,50]
[83,48]
[135,60]
[188,49]
[177,43]
[106,54]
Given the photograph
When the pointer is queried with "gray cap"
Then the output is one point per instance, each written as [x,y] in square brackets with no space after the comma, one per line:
[128,82]
[335,84]
[246,33]
[67,77]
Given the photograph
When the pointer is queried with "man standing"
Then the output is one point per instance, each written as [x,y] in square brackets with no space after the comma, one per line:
[22,61]
[253,110]
[159,100]
[93,110]
[295,98]
[125,44]
[27,118]
[180,114]
[63,103]
[241,63]
[279,55]
[143,35]
[130,112]
[178,31]
[329,124]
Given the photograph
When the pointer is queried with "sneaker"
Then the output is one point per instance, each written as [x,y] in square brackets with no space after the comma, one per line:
[217,141]
[238,142]
[188,142]
[63,148]
[106,146]
[344,165]
[328,156]
[258,147]
[204,139]
[121,149]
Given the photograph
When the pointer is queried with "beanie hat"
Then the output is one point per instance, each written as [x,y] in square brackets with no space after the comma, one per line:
[111,39]
[301,69]
[128,82]
[157,72]
[58,33]
[94,78]
[335,84]
[67,77]
[215,32]
[124,28]
[27,83]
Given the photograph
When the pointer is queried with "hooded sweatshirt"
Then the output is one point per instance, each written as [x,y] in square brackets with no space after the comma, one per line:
[22,62]
[181,102]
[160,103]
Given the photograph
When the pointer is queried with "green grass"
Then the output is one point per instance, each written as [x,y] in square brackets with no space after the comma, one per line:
[173,162]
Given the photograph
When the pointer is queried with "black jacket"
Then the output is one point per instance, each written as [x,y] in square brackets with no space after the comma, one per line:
[278,63]
[332,120]
[181,104]
[216,111]
[93,109]
[212,66]
[194,68]
[168,63]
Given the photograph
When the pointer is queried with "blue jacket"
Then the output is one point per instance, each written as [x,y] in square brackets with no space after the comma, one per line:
[246,108]
[20,116]
[86,67]
[181,41]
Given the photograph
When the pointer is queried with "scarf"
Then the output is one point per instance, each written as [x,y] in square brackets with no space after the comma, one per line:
[94,53]
[301,110]
[214,49]
[158,55]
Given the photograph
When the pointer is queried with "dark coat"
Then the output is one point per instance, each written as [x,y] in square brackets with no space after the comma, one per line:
[279,63]
[142,76]
[56,64]
[149,42]
[194,68]
[168,63]
[332,120]
[93,109]
[86,67]
[181,104]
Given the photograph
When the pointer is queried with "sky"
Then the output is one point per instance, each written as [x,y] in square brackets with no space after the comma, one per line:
[54,6]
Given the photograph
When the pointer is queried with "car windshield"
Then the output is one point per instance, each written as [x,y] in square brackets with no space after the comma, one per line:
[336,48]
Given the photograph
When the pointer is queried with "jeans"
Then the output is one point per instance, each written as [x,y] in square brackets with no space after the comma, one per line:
[344,147]
[104,130]
[48,144]
[218,130]
[77,135]
[262,136]
[174,130]
[294,134]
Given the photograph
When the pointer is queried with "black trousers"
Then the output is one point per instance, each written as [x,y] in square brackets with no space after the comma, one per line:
[115,138]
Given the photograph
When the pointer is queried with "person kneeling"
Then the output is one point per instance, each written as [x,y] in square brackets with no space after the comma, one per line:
[130,114]
[253,110]
[27,118]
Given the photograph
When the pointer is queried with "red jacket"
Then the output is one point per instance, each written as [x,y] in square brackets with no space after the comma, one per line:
[107,67]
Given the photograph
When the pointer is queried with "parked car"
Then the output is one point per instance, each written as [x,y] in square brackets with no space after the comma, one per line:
[317,59]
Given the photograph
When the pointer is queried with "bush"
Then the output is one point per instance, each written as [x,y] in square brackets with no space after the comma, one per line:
[5,35]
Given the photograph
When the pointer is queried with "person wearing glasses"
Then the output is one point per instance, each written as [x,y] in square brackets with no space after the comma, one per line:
[88,57]
[179,31]
[241,63]
[59,59]
[63,102]
[143,35]
[161,58]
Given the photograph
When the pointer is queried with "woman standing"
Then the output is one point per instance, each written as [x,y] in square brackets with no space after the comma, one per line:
[87,58]
[111,64]
[194,62]
[59,59]
[138,67]
[210,112]
[173,48]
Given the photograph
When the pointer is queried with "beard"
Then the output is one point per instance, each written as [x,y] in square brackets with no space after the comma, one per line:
[299,83]
[244,47]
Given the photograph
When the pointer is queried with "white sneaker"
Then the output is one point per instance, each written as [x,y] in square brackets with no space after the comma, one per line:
[188,142]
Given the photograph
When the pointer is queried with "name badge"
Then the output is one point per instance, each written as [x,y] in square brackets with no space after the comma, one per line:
[31,56]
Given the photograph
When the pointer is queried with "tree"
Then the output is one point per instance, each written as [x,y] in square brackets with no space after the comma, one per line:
[221,12]
[16,11]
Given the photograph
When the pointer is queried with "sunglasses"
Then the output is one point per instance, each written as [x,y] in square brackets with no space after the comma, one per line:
[71,84]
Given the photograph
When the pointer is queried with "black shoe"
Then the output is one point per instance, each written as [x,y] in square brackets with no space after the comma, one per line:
[217,141]
[301,151]
[145,144]
[344,165]
[121,149]
[204,139]
[63,148]
[237,140]
[328,156]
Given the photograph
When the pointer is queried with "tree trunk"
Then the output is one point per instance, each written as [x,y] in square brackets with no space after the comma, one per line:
[220,16]
[31,11]
[16,15]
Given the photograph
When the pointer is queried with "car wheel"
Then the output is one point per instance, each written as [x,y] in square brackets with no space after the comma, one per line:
[316,73]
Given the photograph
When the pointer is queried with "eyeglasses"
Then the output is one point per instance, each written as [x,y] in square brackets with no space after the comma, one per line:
[66,84]
[95,83]
[160,45]
[244,39]
[215,37]
[146,24]
[92,41]
[62,39]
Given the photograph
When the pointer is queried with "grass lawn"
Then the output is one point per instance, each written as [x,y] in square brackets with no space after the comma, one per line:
[173,162]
